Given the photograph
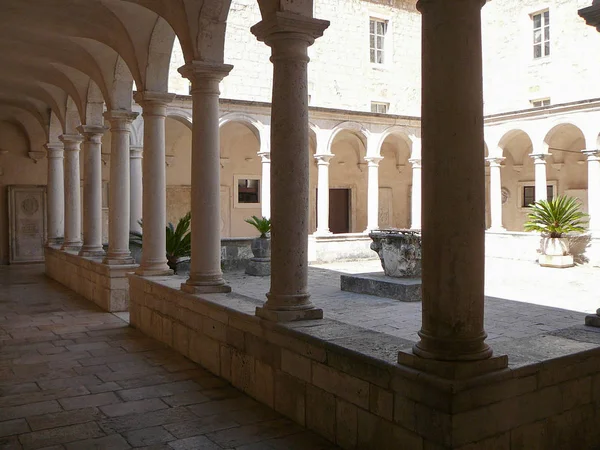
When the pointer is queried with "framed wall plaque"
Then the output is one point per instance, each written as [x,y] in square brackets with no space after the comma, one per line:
[27,223]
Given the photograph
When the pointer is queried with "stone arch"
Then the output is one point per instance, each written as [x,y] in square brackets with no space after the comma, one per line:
[354,128]
[160,48]
[256,127]
[180,115]
[517,143]
[402,153]
[28,122]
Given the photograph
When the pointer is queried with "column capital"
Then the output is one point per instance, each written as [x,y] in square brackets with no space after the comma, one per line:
[495,161]
[282,26]
[592,155]
[373,160]
[92,133]
[539,158]
[205,76]
[71,141]
[136,152]
[120,119]
[265,157]
[323,159]
[54,150]
[416,162]
[153,103]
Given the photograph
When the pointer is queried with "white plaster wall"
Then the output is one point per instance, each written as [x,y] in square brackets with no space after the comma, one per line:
[511,75]
[340,72]
[16,168]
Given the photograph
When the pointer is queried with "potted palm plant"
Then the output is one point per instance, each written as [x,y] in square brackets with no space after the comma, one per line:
[555,219]
[179,242]
[260,264]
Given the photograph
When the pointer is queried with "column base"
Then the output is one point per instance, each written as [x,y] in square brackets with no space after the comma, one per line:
[496,229]
[111,260]
[205,289]
[322,233]
[593,320]
[273,315]
[149,272]
[71,246]
[453,369]
[92,252]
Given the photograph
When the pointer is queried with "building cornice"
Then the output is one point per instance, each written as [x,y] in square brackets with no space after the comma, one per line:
[591,14]
[545,111]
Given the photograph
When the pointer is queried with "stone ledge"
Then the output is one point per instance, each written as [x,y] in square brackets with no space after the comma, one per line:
[341,380]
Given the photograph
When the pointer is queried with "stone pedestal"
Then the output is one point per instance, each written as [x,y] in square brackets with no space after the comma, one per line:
[593,320]
[379,285]
[289,36]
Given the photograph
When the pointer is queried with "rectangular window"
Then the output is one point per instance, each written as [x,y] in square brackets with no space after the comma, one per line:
[377,31]
[379,107]
[529,194]
[540,103]
[541,34]
[248,191]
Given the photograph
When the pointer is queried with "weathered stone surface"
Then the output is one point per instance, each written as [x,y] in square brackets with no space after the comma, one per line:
[399,252]
[403,289]
[258,268]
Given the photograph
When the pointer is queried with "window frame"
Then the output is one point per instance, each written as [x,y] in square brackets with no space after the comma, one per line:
[544,102]
[531,184]
[385,50]
[386,105]
[544,31]
[236,202]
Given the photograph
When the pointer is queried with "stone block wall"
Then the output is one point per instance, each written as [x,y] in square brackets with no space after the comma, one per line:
[342,382]
[106,286]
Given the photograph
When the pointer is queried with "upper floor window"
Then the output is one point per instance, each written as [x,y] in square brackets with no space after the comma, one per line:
[541,102]
[377,32]
[541,34]
[379,107]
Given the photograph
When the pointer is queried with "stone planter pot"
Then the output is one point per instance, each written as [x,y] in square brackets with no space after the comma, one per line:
[260,264]
[261,248]
[399,252]
[555,253]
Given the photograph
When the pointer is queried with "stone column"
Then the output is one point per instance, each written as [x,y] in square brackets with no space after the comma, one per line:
[289,36]
[136,190]
[265,185]
[373,193]
[415,204]
[119,189]
[593,157]
[453,182]
[154,202]
[541,185]
[92,190]
[496,193]
[205,272]
[323,198]
[55,194]
[72,239]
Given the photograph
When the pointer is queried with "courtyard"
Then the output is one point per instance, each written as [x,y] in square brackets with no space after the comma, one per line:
[75,377]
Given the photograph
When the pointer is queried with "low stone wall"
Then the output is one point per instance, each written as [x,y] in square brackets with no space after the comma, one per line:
[106,286]
[340,247]
[235,253]
[342,381]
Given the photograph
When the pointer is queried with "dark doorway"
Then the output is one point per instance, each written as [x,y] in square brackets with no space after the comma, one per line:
[339,210]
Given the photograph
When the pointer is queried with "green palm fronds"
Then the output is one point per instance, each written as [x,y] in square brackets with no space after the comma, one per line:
[557,217]
[263,225]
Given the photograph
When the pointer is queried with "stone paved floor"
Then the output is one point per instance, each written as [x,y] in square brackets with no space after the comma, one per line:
[523,299]
[74,377]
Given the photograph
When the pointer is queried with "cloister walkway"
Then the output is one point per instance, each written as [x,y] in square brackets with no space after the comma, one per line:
[74,377]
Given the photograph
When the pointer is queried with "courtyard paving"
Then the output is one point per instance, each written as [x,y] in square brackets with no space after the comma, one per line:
[74,377]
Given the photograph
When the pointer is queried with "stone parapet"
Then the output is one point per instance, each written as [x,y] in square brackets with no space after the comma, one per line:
[342,381]
[106,286]
[339,247]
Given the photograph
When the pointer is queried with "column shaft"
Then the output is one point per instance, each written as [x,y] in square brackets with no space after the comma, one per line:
[541,184]
[415,204]
[593,157]
[265,187]
[72,239]
[453,182]
[92,190]
[205,272]
[373,193]
[119,191]
[136,193]
[56,194]
[323,194]
[496,194]
[289,36]
[154,203]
